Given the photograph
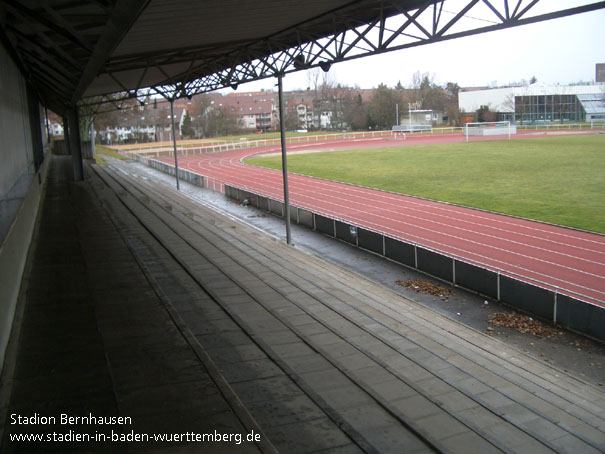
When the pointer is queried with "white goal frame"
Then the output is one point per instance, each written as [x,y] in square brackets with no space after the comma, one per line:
[600,122]
[489,128]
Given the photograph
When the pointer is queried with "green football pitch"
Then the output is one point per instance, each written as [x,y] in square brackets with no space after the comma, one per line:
[556,179]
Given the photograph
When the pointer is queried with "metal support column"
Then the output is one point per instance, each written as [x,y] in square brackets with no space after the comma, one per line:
[91,134]
[282,128]
[75,143]
[176,161]
[48,135]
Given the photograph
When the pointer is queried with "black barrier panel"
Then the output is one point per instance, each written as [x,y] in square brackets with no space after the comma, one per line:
[346,232]
[435,264]
[227,191]
[400,252]
[477,279]
[370,241]
[277,208]
[293,214]
[324,225]
[580,316]
[254,200]
[305,218]
[527,297]
[184,175]
[263,203]
[165,168]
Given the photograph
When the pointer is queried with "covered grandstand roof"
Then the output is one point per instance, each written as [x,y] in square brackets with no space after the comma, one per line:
[74,49]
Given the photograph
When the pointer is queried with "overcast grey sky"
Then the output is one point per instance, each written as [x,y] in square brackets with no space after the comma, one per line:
[560,51]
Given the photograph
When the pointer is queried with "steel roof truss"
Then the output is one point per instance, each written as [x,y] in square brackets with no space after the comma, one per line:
[26,13]
[274,55]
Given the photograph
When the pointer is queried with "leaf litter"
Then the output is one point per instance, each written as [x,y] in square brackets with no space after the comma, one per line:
[424,286]
[523,324]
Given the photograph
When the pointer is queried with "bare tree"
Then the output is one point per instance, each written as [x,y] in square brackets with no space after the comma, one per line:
[382,108]
[221,121]
[355,110]
[509,105]
[199,111]
[326,100]
[427,94]
[452,109]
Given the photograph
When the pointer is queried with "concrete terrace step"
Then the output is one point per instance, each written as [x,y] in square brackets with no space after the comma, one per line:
[336,335]
[323,276]
[270,387]
[95,338]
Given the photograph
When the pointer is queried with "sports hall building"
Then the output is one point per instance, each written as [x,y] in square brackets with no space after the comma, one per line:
[539,104]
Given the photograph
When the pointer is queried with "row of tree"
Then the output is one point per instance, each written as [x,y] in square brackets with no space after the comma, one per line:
[424,94]
[348,108]
[345,107]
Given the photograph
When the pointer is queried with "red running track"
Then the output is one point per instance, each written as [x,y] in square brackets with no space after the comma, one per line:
[572,261]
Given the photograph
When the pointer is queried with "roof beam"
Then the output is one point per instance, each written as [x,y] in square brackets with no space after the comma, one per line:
[341,36]
[122,16]
[23,11]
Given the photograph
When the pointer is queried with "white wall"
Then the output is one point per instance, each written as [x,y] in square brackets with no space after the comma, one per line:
[20,190]
[15,135]
[496,98]
[470,101]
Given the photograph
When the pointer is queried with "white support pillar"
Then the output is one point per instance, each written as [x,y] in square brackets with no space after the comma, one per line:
[176,161]
[282,128]
[73,139]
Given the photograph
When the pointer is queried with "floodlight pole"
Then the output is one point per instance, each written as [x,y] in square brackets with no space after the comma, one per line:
[282,128]
[176,161]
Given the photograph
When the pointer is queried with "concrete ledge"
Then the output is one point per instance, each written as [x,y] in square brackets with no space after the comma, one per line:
[14,250]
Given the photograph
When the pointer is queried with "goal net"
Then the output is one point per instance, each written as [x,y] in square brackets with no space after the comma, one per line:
[489,128]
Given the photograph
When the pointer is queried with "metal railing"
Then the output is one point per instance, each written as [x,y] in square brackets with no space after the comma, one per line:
[557,292]
[165,149]
[185,150]
[491,268]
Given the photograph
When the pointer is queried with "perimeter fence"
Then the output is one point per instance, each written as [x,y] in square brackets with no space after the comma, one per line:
[185,150]
[166,149]
[575,311]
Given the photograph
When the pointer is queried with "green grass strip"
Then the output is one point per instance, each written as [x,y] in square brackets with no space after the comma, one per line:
[560,180]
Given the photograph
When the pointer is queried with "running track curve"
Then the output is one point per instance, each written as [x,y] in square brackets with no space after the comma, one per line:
[572,261]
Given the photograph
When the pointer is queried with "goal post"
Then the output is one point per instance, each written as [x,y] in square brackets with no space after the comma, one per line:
[597,123]
[489,128]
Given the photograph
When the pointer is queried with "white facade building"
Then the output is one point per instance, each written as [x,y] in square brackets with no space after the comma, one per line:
[539,103]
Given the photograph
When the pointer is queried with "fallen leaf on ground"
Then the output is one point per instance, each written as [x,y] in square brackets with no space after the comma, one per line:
[522,323]
[423,286]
